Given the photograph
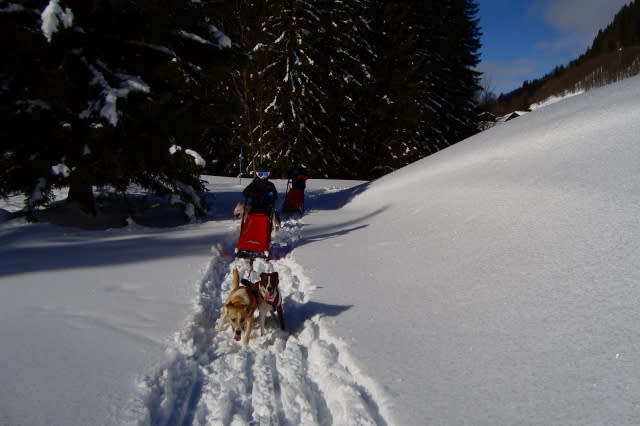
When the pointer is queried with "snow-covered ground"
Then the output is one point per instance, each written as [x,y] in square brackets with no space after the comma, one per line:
[495,282]
[553,99]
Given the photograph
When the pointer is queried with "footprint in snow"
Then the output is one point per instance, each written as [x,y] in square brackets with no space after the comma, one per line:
[297,377]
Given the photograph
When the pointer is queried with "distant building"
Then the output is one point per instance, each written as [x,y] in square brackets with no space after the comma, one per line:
[510,116]
[486,120]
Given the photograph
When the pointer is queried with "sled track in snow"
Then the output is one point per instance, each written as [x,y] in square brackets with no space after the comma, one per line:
[297,377]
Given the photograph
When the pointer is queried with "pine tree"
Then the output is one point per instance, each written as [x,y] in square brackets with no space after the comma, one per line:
[295,115]
[392,100]
[105,96]
[306,68]
[449,113]
[425,82]
[623,31]
[346,60]
[242,21]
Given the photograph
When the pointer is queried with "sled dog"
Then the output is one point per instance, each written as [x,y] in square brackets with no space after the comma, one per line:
[238,210]
[239,308]
[269,299]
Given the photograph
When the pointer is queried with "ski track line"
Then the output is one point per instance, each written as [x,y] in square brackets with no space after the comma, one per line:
[301,376]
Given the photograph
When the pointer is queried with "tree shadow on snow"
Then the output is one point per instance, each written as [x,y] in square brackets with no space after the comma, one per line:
[338,229]
[297,313]
[39,248]
[323,200]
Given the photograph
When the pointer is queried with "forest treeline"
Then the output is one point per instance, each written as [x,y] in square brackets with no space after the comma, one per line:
[120,92]
[614,55]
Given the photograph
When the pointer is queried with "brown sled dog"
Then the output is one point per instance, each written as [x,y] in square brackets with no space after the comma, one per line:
[239,308]
[241,210]
[238,210]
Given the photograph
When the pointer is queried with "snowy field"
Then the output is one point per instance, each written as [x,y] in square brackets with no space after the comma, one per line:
[495,282]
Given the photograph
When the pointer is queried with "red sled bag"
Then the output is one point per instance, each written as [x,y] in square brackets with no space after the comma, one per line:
[294,200]
[255,236]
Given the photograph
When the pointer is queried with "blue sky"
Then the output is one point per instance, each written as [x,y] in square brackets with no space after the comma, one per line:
[524,40]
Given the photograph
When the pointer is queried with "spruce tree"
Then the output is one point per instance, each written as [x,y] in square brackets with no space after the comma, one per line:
[346,60]
[306,69]
[393,108]
[295,115]
[448,109]
[102,98]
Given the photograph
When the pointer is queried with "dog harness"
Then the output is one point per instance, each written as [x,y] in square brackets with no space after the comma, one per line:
[254,287]
[275,301]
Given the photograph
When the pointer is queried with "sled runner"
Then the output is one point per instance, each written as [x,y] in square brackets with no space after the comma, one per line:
[255,235]
[294,200]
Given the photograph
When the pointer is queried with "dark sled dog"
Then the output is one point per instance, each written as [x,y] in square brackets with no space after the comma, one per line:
[269,299]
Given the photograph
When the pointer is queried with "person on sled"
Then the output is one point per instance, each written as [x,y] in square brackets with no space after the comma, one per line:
[261,193]
[294,199]
[298,175]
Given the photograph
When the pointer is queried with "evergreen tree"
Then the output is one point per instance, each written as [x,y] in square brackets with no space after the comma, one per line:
[295,115]
[393,98]
[425,82]
[243,21]
[356,88]
[345,69]
[623,31]
[113,88]
[306,68]
[449,107]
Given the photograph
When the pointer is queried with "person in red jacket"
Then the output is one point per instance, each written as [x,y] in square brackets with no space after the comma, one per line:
[298,175]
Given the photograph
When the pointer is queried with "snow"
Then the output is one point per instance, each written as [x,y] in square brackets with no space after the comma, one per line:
[52,16]
[128,84]
[494,282]
[194,37]
[60,169]
[554,99]
[223,40]
[197,158]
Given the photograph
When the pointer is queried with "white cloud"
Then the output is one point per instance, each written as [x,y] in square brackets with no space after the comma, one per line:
[577,21]
[505,76]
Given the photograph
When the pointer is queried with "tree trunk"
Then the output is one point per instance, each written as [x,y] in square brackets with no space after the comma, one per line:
[81,193]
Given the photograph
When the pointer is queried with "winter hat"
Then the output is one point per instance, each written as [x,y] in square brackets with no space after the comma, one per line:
[262,171]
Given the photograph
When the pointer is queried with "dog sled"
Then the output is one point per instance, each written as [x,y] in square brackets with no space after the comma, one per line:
[255,235]
[294,200]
